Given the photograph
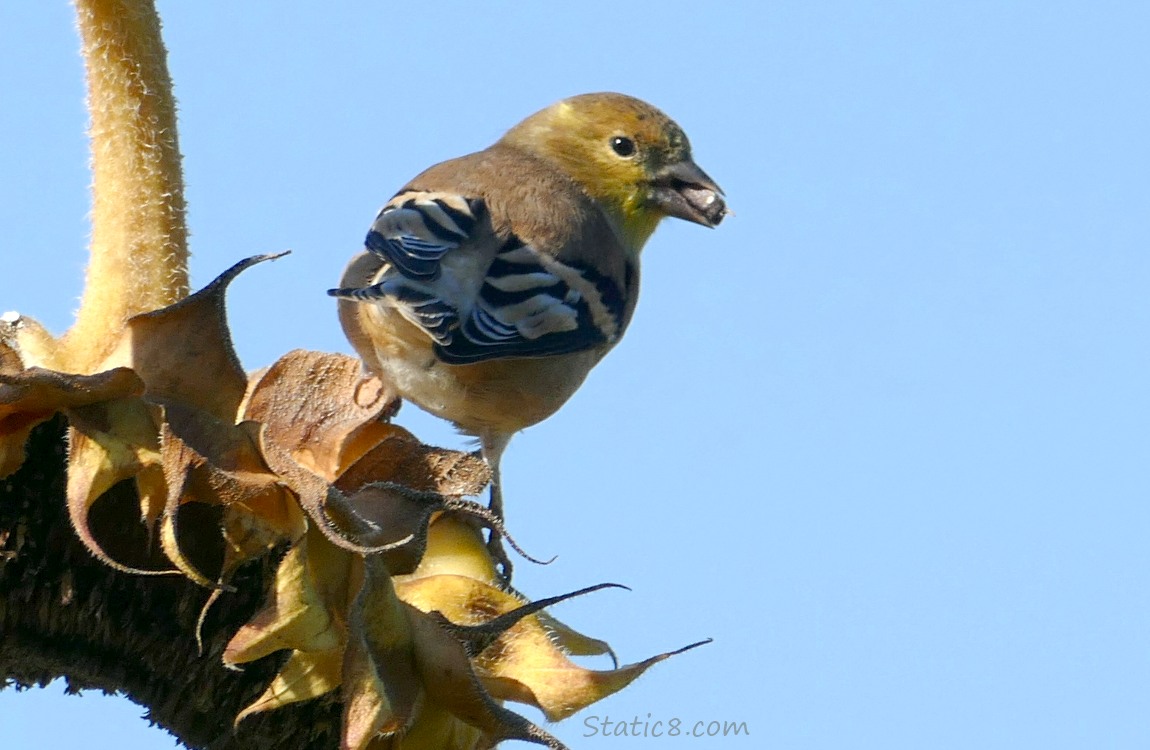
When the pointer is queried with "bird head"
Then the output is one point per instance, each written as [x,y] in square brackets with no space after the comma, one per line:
[626,155]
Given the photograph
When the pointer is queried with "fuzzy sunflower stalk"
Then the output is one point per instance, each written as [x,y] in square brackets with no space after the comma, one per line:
[266,558]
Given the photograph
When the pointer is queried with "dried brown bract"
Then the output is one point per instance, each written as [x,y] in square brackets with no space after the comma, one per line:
[384,588]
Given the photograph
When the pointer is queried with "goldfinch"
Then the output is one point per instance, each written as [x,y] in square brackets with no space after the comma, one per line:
[491,284]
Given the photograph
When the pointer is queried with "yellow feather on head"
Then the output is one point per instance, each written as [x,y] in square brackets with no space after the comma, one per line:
[613,146]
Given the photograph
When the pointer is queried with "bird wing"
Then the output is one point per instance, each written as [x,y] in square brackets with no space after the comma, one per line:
[523,303]
[416,229]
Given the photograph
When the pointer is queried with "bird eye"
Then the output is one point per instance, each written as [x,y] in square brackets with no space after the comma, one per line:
[623,146]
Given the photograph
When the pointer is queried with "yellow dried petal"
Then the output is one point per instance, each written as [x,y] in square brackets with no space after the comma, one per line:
[526,664]
[25,343]
[259,514]
[572,641]
[29,397]
[381,684]
[304,676]
[223,468]
[455,547]
[530,669]
[295,614]
[10,360]
[111,442]
[451,682]
[435,727]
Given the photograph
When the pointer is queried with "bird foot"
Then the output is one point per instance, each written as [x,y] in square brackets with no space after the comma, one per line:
[498,553]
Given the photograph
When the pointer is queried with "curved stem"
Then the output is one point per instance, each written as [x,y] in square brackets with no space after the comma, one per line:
[139,250]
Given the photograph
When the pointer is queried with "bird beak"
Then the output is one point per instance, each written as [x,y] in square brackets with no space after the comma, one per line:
[686,192]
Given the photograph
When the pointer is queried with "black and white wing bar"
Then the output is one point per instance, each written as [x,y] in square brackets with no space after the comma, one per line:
[529,304]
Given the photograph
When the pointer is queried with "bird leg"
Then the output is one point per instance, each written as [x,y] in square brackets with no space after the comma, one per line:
[492,449]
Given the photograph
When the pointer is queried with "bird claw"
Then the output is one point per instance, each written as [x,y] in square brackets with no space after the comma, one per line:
[488,518]
[498,553]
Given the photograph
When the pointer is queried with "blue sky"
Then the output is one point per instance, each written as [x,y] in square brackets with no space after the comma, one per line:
[883,435]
